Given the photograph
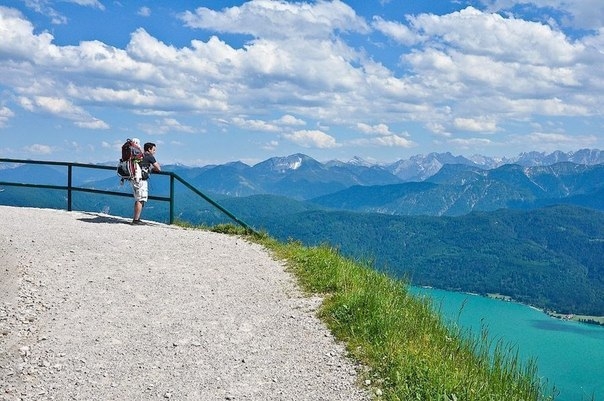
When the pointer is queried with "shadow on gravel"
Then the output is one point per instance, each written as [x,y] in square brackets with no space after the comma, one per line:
[104,219]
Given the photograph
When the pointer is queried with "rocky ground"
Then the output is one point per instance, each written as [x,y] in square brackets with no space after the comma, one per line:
[93,308]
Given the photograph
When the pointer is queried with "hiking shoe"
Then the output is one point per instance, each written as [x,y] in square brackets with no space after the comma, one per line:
[137,222]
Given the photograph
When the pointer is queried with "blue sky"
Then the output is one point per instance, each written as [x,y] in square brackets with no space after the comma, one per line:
[217,81]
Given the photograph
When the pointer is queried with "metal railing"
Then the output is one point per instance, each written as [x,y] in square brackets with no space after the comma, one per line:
[70,188]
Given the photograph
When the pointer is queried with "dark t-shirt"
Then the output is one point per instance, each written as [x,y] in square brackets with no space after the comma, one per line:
[148,160]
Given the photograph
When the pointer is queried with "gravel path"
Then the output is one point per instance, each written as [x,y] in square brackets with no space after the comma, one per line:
[92,308]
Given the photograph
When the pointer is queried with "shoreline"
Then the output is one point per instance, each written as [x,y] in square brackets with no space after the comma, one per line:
[571,317]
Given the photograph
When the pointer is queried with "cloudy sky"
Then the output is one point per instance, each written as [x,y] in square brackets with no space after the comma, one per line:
[218,81]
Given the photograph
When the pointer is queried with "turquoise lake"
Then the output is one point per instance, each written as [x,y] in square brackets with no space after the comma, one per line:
[569,355]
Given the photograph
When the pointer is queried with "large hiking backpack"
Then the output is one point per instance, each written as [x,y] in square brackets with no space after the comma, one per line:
[128,167]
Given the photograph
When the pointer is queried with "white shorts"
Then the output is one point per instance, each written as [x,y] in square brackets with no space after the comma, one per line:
[140,189]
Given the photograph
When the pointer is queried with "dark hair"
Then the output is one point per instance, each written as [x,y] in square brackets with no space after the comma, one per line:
[149,146]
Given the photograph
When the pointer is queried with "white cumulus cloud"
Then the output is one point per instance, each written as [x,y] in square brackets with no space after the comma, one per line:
[279,19]
[144,11]
[297,60]
[587,14]
[312,139]
[40,149]
[475,124]
[5,115]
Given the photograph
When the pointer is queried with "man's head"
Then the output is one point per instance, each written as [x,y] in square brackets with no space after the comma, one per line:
[149,146]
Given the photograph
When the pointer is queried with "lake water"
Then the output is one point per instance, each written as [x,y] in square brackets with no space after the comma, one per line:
[569,354]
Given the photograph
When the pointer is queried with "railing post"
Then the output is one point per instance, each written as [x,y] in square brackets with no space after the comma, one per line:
[69,170]
[171,198]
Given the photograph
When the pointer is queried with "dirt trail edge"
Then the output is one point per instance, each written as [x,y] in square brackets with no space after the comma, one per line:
[92,308]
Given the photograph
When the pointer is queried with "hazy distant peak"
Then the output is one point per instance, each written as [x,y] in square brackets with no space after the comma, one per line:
[287,163]
[358,161]
[582,156]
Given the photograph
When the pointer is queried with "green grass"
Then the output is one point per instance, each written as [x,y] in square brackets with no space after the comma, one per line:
[407,349]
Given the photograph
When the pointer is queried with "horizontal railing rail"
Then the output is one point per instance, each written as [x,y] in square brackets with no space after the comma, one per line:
[70,188]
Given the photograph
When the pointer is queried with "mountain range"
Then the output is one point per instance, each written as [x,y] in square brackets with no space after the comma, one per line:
[460,189]
[301,177]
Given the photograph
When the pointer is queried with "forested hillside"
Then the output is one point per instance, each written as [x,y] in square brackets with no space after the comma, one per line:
[550,257]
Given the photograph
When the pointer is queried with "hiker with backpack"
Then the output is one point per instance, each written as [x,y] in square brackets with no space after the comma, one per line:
[140,187]
[136,165]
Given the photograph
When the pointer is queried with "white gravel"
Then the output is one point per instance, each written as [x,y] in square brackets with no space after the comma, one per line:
[93,308]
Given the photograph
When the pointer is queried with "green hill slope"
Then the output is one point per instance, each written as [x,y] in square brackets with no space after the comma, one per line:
[549,257]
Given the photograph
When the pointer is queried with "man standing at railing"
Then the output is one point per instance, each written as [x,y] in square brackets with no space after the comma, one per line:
[140,187]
